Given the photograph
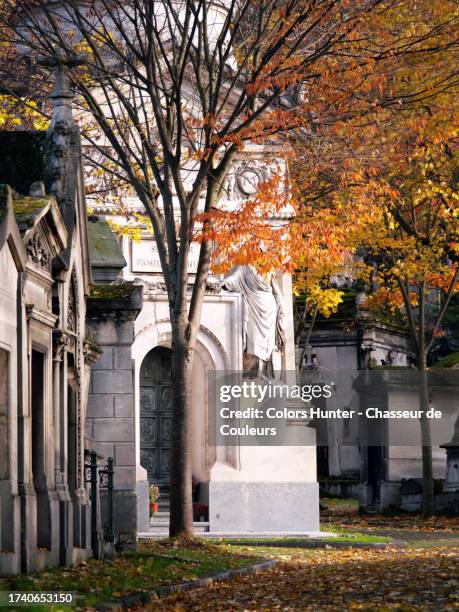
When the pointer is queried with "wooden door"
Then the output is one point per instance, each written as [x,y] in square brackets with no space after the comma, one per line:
[156,414]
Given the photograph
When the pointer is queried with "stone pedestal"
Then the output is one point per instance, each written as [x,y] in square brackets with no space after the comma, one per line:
[143,509]
[263,507]
[66,526]
[28,504]
[9,529]
[267,489]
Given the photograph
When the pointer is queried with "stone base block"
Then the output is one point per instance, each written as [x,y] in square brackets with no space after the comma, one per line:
[65,529]
[263,507]
[447,502]
[79,555]
[365,496]
[28,503]
[143,509]
[10,563]
[125,517]
[390,495]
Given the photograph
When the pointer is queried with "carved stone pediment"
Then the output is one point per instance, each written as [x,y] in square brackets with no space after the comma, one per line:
[43,230]
[38,252]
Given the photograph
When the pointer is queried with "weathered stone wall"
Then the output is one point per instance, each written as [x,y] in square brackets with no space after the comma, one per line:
[9,501]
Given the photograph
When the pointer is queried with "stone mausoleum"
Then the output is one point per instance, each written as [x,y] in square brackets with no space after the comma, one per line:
[56,323]
[247,488]
[379,462]
[46,348]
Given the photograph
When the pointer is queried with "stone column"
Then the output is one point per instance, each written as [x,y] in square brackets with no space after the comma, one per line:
[60,344]
[112,310]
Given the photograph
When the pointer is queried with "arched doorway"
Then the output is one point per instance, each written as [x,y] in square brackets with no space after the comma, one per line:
[156,414]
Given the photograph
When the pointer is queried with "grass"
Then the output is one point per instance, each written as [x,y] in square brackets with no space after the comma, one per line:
[341,516]
[448,362]
[154,565]
[342,536]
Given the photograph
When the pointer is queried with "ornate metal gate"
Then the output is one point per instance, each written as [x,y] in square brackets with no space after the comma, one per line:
[100,477]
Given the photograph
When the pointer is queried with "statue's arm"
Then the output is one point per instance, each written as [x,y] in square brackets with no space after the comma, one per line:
[232,282]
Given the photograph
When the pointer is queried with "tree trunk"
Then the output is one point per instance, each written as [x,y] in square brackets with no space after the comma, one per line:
[181,506]
[428,506]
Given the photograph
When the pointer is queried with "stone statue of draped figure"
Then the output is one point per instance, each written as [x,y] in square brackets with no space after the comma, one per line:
[263,328]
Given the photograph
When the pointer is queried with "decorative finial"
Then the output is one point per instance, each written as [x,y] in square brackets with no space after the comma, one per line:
[63,135]
[37,190]
[63,95]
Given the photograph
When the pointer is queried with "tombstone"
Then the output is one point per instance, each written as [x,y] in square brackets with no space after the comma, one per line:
[452,462]
[410,495]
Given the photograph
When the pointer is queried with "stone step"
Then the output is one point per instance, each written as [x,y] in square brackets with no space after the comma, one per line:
[202,529]
[160,529]
[160,517]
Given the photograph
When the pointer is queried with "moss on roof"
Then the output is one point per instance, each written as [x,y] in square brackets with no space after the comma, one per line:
[451,361]
[27,209]
[111,292]
[104,250]
[27,205]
